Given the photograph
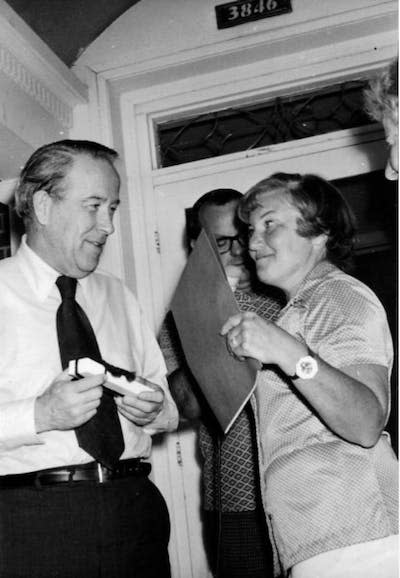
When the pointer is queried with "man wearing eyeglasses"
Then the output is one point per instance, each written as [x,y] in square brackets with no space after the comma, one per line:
[235,529]
[216,210]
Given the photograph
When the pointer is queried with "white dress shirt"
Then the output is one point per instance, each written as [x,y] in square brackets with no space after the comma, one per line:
[30,360]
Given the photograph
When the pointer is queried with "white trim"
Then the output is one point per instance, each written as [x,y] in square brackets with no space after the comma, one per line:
[35,69]
[262,80]
[42,62]
[34,88]
[141,221]
[367,20]
[272,154]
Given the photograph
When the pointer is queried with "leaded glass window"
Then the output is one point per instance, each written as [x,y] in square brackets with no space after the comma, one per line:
[284,119]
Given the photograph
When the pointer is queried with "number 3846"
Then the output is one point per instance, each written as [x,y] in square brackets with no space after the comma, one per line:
[251,8]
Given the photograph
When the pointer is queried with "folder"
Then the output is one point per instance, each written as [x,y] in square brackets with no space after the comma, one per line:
[202,303]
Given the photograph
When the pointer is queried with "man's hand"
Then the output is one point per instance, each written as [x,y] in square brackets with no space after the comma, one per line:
[143,408]
[233,274]
[238,277]
[244,283]
[67,404]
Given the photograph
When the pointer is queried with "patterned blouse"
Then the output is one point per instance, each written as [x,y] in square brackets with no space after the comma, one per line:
[319,491]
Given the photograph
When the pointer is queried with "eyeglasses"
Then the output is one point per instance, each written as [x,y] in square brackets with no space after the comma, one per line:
[225,244]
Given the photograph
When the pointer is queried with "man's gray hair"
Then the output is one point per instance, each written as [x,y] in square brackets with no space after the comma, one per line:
[47,168]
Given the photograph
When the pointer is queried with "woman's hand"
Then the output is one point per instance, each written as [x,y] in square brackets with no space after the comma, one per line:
[248,335]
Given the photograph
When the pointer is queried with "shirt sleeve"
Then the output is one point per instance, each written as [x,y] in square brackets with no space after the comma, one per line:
[17,424]
[350,327]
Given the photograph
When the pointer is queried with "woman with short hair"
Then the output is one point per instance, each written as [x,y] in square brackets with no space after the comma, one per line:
[328,472]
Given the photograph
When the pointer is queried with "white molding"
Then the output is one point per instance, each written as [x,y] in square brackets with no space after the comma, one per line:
[142,220]
[272,154]
[259,81]
[35,88]
[36,70]
[281,40]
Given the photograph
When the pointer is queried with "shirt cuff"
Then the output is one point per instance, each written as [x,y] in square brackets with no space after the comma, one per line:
[17,423]
[166,421]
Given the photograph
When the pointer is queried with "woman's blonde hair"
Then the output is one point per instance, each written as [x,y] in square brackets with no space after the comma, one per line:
[382,95]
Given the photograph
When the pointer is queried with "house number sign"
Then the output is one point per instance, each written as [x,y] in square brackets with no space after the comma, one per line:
[242,11]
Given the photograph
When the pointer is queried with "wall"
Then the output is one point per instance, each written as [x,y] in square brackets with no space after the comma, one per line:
[38,93]
[183,29]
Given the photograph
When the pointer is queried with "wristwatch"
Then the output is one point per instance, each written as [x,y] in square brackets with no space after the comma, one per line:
[306,367]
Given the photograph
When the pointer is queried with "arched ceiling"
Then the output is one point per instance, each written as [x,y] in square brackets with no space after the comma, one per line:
[69,26]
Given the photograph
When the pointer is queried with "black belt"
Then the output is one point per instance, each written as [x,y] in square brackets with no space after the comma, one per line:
[91,472]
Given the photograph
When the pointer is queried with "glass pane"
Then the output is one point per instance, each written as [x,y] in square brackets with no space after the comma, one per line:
[284,119]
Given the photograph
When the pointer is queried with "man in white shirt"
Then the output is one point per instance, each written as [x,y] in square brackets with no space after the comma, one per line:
[62,513]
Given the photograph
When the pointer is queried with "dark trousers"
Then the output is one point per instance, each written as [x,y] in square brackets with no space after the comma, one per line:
[85,530]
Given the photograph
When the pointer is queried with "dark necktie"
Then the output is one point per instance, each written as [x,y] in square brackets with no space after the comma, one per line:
[101,436]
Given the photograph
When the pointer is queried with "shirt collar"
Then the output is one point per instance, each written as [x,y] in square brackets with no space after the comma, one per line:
[40,276]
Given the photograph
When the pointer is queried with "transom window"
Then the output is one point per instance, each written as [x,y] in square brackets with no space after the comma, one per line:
[231,130]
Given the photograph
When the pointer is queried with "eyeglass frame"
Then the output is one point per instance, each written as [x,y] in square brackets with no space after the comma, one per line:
[230,239]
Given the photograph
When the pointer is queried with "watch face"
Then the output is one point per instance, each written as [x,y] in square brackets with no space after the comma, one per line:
[307,367]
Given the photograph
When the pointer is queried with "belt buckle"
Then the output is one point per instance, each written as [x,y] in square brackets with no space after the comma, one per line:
[100,473]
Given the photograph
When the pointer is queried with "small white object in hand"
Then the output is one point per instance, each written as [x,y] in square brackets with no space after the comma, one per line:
[85,366]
